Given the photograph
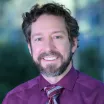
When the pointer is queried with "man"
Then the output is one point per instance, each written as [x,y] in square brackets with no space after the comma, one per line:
[52,34]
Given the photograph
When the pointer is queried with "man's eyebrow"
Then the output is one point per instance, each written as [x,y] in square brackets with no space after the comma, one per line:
[55,32]
[36,34]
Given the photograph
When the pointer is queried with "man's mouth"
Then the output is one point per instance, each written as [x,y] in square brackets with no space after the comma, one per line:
[50,58]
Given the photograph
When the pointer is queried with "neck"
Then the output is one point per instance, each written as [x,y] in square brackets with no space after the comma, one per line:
[53,80]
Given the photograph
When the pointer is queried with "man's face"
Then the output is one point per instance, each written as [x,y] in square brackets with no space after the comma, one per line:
[50,45]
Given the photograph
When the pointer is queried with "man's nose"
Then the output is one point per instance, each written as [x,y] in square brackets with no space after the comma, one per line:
[49,45]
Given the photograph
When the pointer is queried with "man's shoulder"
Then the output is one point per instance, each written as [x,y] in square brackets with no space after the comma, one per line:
[89,82]
[25,86]
[18,92]
[90,88]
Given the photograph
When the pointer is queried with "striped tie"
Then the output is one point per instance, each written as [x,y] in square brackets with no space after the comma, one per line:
[53,93]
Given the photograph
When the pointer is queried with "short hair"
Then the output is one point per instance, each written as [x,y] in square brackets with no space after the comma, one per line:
[50,9]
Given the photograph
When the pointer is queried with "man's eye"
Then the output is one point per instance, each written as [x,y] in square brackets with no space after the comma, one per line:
[38,39]
[58,37]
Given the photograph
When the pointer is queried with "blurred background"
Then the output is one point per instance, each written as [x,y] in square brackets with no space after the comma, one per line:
[16,65]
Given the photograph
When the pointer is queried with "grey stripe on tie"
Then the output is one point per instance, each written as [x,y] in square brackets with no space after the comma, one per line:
[56,88]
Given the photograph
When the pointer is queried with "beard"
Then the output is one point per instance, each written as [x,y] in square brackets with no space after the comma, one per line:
[51,70]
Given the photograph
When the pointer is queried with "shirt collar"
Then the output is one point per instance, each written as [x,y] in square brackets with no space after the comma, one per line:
[68,81]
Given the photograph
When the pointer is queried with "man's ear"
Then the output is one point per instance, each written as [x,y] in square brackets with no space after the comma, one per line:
[29,47]
[74,44]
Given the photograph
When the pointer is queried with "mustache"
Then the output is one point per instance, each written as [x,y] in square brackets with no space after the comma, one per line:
[54,53]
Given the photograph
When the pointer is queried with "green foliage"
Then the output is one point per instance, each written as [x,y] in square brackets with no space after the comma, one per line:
[89,62]
[16,67]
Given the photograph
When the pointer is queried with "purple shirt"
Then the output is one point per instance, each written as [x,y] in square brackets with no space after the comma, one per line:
[78,89]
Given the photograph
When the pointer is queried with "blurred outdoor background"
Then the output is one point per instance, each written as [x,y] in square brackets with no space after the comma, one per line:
[16,65]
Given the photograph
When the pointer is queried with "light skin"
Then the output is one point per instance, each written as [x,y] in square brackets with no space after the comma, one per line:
[48,34]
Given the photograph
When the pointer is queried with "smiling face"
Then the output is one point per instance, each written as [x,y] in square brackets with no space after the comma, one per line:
[50,46]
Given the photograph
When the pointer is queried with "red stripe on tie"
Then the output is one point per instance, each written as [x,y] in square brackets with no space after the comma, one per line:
[53,93]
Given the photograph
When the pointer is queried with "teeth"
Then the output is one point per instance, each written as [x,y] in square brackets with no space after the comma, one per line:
[50,58]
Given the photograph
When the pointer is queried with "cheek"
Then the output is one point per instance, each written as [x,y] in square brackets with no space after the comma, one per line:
[66,52]
[36,52]
[64,48]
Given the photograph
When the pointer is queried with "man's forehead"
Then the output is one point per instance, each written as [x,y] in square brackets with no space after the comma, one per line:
[48,23]
[45,19]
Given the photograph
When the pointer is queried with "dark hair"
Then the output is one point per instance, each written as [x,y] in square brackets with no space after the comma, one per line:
[51,9]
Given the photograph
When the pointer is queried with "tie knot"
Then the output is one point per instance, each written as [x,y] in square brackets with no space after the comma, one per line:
[53,91]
